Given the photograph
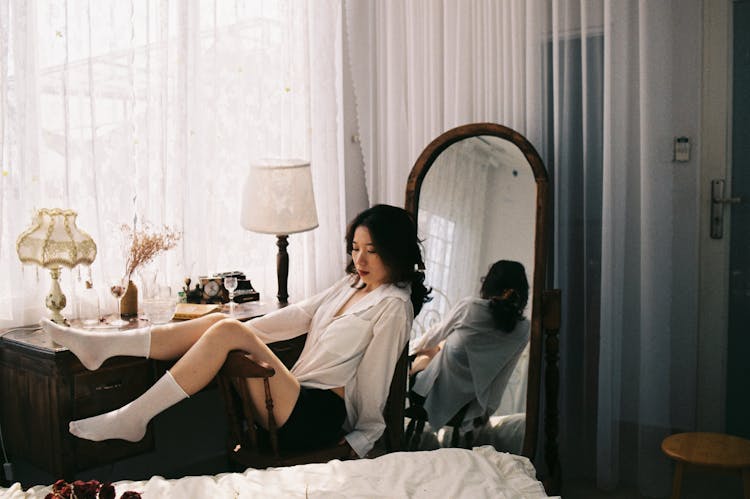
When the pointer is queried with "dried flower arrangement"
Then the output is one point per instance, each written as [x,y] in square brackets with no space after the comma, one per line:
[92,489]
[146,244]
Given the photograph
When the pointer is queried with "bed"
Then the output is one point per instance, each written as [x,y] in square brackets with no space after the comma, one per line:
[457,473]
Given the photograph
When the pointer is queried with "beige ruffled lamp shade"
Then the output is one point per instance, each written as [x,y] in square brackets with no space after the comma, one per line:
[53,240]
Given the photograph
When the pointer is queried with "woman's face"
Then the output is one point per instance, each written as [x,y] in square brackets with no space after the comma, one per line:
[370,267]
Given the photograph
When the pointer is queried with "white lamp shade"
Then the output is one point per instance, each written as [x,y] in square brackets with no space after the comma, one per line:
[53,240]
[278,197]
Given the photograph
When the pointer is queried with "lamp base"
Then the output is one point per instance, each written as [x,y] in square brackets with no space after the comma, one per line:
[56,300]
[282,267]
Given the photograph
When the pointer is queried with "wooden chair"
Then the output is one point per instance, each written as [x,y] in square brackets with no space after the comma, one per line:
[418,416]
[244,447]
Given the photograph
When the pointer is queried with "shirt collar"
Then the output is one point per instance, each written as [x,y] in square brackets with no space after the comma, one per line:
[380,293]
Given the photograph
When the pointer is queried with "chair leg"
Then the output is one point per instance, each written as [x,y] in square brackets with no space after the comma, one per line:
[469,439]
[408,434]
[455,436]
[677,480]
[417,435]
[271,419]
[746,482]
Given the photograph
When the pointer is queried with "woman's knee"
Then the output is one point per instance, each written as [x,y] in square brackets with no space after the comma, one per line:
[225,327]
[214,317]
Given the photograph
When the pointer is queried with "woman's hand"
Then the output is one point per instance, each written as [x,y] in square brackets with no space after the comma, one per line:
[352,453]
[423,358]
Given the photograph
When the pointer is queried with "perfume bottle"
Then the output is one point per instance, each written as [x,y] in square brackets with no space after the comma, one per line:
[88,306]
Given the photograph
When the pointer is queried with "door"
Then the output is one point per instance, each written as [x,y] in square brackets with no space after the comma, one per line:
[738,328]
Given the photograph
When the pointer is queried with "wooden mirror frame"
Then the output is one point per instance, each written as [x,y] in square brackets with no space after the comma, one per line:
[544,304]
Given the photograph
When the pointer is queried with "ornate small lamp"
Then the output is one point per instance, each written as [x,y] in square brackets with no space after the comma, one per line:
[52,241]
[278,199]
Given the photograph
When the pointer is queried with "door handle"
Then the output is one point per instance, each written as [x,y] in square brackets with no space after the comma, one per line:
[734,200]
[718,200]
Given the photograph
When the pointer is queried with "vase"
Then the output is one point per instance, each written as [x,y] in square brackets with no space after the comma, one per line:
[129,301]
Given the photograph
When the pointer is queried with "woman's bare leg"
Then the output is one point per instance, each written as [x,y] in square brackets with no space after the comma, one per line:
[192,372]
[172,340]
[422,359]
[202,362]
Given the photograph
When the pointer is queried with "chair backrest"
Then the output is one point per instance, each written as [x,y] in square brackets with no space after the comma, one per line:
[393,413]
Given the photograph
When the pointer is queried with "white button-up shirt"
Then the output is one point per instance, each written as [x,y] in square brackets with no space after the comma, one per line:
[357,349]
[473,366]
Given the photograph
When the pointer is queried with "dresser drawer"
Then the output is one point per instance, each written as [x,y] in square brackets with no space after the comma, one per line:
[109,388]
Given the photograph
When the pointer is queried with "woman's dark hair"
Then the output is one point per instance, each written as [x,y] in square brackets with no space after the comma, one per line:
[394,235]
[507,289]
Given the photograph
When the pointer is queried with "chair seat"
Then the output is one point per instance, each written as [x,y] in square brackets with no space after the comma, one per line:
[708,449]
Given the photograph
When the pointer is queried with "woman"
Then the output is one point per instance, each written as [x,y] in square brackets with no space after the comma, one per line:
[468,357]
[356,331]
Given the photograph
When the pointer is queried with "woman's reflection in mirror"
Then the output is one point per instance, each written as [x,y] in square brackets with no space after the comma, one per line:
[467,358]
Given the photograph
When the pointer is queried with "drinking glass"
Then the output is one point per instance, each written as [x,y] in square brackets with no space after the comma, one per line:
[230,283]
[159,304]
[117,286]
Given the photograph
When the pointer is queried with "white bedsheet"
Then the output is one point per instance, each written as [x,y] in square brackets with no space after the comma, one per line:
[456,473]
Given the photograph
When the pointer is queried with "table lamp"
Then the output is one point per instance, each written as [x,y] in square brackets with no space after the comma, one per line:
[52,241]
[278,199]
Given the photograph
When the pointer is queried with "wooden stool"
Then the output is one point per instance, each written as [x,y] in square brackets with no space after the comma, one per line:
[712,450]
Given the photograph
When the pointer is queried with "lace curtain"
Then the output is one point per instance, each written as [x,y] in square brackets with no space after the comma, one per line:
[150,112]
[422,67]
[451,213]
[600,88]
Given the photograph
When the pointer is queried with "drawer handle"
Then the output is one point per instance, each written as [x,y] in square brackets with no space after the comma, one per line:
[113,386]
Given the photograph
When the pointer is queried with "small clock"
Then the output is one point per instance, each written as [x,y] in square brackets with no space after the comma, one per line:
[211,289]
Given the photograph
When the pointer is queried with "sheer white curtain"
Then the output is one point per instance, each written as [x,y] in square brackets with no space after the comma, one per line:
[451,213]
[152,110]
[423,67]
[600,88]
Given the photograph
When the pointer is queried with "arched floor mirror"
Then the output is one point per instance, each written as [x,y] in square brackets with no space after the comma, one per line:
[479,193]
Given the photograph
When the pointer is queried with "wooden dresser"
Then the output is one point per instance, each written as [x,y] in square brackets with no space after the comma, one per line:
[43,386]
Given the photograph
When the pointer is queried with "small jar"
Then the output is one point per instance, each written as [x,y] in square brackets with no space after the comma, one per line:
[88,306]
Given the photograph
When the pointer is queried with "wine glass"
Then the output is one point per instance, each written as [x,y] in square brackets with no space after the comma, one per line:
[117,286]
[230,283]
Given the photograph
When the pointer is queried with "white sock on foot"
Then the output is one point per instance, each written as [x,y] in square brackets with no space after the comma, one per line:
[93,348]
[130,421]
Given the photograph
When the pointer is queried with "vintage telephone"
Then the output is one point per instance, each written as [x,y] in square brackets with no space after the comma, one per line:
[210,289]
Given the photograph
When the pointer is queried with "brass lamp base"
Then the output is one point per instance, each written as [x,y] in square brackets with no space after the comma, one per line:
[56,300]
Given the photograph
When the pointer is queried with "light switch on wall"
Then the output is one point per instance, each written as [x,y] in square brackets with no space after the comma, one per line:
[681,149]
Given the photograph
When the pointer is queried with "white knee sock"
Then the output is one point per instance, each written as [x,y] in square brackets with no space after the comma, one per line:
[130,421]
[94,347]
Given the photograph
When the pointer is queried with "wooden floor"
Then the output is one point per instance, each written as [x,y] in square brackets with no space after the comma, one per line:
[698,484]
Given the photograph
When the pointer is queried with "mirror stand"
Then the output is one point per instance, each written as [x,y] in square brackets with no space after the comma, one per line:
[479,194]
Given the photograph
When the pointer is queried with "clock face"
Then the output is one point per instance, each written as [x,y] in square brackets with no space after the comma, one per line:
[211,288]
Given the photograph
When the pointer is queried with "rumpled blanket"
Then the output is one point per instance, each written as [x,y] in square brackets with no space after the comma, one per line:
[457,473]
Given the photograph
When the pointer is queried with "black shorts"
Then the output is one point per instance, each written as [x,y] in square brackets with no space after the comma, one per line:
[315,421]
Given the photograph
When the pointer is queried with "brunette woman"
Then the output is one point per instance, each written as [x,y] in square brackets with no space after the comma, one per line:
[356,330]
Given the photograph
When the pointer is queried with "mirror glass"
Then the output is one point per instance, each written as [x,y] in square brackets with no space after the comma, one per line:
[477,205]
